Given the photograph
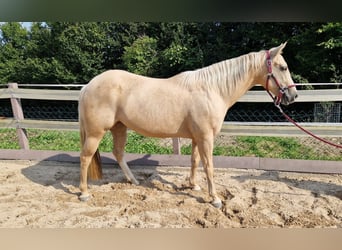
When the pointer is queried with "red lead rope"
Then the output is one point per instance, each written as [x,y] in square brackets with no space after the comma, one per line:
[307,131]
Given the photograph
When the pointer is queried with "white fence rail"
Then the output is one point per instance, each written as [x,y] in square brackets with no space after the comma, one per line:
[320,95]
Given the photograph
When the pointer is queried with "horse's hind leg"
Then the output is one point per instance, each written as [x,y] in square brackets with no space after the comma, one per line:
[195,159]
[119,133]
[88,150]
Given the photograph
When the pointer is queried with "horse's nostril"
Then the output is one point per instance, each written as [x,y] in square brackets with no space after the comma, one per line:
[296,96]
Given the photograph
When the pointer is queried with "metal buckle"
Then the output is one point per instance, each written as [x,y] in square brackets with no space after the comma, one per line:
[279,107]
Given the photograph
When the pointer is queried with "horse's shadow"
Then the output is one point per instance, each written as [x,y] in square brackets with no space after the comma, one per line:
[64,175]
[317,188]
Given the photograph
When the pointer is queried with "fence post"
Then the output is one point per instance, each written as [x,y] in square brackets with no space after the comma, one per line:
[18,115]
[176,146]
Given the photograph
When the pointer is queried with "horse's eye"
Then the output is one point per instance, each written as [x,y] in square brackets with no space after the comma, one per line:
[283,68]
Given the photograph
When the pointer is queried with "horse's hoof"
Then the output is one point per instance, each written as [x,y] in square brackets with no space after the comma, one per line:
[135,182]
[196,188]
[84,197]
[217,203]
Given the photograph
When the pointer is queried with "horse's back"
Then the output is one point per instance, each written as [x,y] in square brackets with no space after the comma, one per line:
[120,81]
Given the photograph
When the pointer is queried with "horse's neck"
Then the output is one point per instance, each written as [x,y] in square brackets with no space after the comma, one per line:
[231,79]
[238,80]
[242,87]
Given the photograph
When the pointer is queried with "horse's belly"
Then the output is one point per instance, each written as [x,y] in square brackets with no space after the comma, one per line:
[156,125]
[152,118]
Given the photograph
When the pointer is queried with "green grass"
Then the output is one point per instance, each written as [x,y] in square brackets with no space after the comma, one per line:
[271,147]
[70,141]
[139,144]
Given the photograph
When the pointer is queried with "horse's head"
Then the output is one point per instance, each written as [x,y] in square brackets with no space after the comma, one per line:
[277,78]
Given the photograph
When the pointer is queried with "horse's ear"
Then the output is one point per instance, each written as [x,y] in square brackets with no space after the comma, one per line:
[277,50]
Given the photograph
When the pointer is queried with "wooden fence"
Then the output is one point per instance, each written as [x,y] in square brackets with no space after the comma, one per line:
[19,122]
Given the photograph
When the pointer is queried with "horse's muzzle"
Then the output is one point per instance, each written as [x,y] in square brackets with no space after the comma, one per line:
[288,97]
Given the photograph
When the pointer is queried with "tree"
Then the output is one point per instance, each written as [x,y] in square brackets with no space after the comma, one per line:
[331,43]
[119,36]
[71,52]
[80,48]
[41,63]
[141,57]
[179,47]
[318,52]
[13,40]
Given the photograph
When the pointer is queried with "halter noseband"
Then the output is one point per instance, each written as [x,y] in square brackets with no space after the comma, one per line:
[276,99]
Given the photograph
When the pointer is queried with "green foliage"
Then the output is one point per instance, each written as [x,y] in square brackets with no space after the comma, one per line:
[174,55]
[319,52]
[180,47]
[80,47]
[141,57]
[12,45]
[332,44]
[333,34]
[74,52]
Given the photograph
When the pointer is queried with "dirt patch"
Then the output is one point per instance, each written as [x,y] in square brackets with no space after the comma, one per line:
[45,194]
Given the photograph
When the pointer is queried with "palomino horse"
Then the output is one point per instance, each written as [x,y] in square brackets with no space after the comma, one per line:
[191,104]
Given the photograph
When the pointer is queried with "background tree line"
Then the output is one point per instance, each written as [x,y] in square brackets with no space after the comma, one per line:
[69,52]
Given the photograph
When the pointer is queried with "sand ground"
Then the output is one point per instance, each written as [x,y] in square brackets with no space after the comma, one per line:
[45,195]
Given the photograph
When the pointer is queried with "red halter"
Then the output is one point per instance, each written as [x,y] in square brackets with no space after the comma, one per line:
[276,99]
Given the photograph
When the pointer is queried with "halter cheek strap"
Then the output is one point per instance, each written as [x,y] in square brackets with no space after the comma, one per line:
[276,99]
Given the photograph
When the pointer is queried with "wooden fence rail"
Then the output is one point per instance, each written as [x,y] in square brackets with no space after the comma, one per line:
[18,122]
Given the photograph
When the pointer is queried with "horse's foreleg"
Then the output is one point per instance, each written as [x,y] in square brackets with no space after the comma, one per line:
[205,148]
[195,158]
[119,133]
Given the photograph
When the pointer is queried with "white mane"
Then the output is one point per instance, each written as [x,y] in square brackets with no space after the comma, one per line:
[224,76]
